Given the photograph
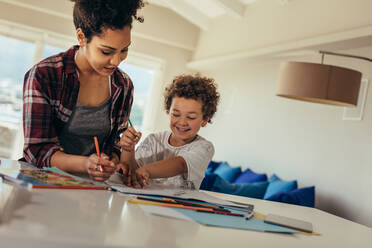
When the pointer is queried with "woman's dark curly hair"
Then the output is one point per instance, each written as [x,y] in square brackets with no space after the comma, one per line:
[92,16]
[194,87]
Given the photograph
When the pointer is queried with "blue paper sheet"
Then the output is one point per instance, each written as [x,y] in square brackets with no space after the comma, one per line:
[229,221]
[237,222]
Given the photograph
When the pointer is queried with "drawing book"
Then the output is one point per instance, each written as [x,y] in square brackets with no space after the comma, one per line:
[56,178]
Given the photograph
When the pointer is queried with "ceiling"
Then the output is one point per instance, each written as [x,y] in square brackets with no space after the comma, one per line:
[202,12]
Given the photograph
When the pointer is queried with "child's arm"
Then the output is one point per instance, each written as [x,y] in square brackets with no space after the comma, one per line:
[195,159]
[165,168]
[127,158]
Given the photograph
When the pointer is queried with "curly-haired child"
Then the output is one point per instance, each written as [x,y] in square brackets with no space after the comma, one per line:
[180,155]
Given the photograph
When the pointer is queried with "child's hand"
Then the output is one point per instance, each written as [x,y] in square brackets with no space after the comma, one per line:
[129,139]
[99,168]
[142,178]
[127,172]
[122,168]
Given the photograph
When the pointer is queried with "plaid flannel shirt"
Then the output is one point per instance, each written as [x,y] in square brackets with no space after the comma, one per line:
[50,93]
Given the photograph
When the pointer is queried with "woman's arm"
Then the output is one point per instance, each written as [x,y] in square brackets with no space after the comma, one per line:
[69,163]
[82,164]
[40,139]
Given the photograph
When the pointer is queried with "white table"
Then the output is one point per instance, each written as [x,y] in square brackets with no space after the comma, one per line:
[90,218]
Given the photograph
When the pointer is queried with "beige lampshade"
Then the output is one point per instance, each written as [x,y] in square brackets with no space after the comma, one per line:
[319,83]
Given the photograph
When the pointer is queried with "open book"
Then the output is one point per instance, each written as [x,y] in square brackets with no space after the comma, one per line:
[56,178]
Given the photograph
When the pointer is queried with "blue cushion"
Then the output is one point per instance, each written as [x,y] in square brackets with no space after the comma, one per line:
[248,176]
[273,178]
[303,197]
[227,172]
[212,166]
[208,181]
[254,190]
[276,185]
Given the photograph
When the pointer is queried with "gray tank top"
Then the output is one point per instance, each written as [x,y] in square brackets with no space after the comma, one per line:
[85,123]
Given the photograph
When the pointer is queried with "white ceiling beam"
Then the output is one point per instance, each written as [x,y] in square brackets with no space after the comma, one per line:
[284,2]
[158,2]
[269,52]
[189,13]
[233,7]
[248,1]
[36,8]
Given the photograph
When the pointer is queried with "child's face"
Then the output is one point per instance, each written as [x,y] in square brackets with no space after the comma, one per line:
[106,51]
[186,118]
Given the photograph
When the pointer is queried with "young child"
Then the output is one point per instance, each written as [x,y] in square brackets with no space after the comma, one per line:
[180,155]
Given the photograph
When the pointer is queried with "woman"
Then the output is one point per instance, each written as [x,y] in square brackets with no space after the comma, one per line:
[73,96]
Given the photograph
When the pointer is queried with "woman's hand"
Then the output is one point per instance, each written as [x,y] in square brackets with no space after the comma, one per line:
[100,168]
[129,139]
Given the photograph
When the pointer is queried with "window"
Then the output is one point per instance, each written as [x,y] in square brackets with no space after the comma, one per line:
[142,79]
[16,58]
[51,50]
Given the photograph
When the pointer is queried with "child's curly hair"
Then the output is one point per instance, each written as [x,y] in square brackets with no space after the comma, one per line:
[94,15]
[194,87]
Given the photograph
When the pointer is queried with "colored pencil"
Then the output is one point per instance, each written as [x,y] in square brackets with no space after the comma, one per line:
[170,205]
[222,212]
[179,202]
[173,205]
[97,150]
[37,186]
[196,204]
[130,123]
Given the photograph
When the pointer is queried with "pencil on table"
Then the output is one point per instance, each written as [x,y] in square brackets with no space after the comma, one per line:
[97,150]
[175,205]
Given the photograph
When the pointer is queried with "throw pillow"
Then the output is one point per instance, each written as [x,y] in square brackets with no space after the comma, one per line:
[276,185]
[227,172]
[254,190]
[273,178]
[212,166]
[302,196]
[248,176]
[208,181]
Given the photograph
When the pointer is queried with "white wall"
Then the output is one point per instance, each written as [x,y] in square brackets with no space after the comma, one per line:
[174,64]
[294,139]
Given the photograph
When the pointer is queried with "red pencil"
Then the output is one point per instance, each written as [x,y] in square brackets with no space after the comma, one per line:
[97,150]
[222,212]
[68,187]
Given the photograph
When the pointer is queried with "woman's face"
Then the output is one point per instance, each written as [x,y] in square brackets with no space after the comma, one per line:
[106,51]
